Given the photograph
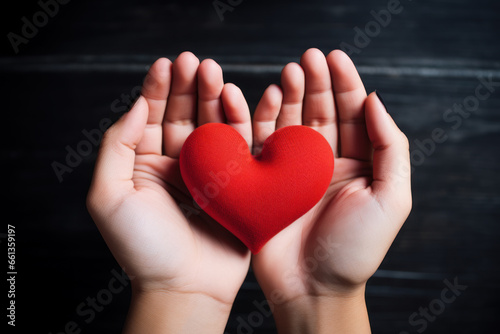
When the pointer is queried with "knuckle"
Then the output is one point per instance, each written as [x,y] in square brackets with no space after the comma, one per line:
[406,204]
[108,135]
[404,141]
[91,200]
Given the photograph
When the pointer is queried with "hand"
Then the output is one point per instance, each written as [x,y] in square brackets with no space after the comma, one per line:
[314,272]
[181,268]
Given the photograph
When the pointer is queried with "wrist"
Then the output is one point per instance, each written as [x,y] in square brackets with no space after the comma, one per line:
[164,311]
[330,313]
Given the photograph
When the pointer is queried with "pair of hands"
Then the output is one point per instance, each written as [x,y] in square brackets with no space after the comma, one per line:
[186,268]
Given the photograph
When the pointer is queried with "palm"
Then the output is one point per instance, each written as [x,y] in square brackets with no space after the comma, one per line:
[164,222]
[343,221]
[320,245]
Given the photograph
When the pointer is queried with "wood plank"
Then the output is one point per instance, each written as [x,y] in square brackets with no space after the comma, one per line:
[431,56]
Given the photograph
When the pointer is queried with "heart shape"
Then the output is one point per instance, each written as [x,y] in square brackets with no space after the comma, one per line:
[255,197]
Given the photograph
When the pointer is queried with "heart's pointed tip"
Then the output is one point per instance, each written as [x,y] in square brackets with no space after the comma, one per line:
[255,249]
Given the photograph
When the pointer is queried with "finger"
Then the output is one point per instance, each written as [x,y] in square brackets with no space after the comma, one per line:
[155,89]
[319,106]
[115,162]
[237,111]
[350,96]
[210,84]
[180,116]
[391,158]
[264,119]
[292,84]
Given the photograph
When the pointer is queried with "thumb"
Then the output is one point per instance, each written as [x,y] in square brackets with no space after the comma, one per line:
[115,162]
[391,159]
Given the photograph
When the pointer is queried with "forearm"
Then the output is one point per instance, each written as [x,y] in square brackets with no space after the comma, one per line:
[321,314]
[172,312]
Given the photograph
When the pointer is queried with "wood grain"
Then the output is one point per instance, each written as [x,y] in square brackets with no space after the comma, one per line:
[431,56]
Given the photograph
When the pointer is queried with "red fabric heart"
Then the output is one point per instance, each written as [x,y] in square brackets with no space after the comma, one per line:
[255,197]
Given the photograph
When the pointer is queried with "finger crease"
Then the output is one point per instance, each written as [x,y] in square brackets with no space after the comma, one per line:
[127,145]
[238,122]
[381,147]
[292,103]
[163,98]
[355,121]
[153,125]
[185,121]
[319,122]
[347,91]
[319,91]
[182,94]
[208,99]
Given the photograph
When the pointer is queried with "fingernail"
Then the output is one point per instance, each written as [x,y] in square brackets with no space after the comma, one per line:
[381,100]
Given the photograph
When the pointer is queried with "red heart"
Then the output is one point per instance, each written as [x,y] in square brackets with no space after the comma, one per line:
[255,197]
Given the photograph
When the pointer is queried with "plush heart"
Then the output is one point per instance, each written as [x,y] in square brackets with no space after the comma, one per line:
[255,197]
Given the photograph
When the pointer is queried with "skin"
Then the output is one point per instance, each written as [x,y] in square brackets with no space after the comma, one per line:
[314,272]
[186,271]
[182,268]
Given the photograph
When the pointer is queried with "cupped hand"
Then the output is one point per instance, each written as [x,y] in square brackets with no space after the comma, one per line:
[138,200]
[334,248]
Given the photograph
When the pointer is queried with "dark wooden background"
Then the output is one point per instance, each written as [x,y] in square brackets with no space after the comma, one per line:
[428,58]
